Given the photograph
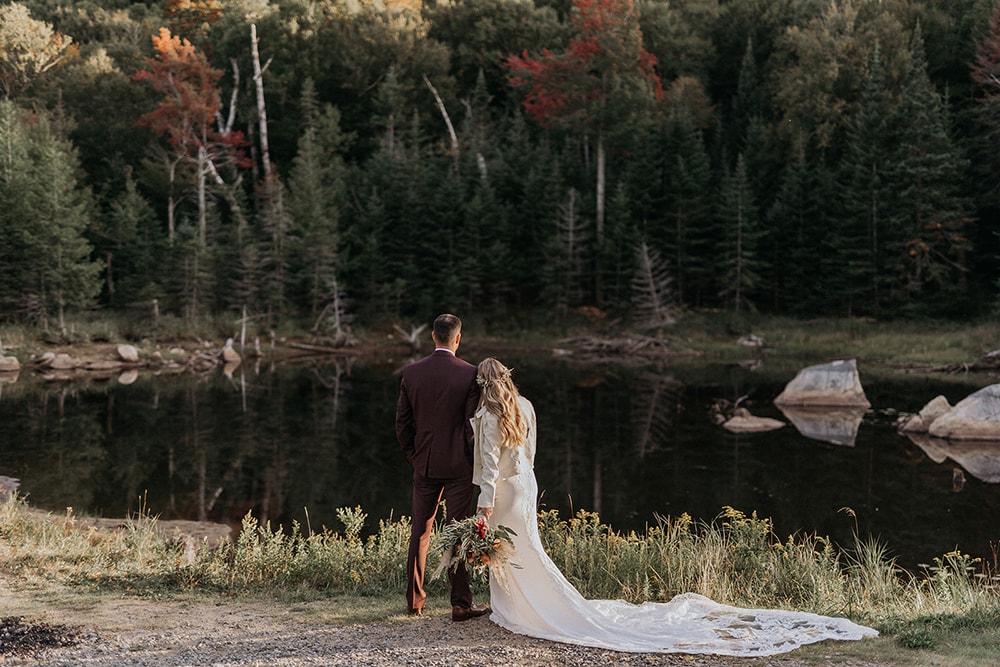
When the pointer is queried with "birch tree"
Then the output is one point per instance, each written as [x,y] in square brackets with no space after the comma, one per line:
[186,117]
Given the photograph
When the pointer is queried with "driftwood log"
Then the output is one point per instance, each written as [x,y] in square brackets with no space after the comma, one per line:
[634,345]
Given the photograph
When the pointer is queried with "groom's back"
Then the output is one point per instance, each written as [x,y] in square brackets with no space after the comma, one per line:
[437,396]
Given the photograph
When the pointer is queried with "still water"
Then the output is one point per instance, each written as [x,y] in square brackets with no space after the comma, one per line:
[294,442]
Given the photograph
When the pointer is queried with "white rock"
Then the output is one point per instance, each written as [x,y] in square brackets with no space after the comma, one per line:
[834,384]
[975,417]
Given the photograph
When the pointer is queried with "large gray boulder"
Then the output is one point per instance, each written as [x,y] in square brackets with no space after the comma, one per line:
[835,384]
[921,422]
[9,364]
[975,417]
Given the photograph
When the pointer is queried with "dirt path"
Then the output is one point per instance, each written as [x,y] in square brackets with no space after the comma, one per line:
[128,632]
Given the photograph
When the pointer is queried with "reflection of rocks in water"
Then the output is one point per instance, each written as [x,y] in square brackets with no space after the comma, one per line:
[981,459]
[935,449]
[957,479]
[128,377]
[835,425]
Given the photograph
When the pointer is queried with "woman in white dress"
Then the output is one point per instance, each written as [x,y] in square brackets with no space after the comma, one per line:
[530,596]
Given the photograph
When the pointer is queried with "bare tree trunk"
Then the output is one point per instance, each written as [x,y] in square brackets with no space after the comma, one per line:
[258,79]
[109,274]
[739,252]
[270,195]
[599,205]
[202,196]
[447,121]
[172,202]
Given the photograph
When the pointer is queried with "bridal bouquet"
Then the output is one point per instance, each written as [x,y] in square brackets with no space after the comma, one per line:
[473,543]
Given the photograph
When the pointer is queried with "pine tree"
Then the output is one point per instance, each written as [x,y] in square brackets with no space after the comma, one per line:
[316,193]
[856,242]
[44,214]
[130,241]
[738,249]
[691,237]
[565,264]
[930,214]
[798,220]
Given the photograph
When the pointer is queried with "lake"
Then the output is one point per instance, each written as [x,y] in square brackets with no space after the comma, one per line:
[295,441]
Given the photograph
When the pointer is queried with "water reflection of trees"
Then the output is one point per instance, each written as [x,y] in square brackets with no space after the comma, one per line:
[626,442]
[655,398]
[208,447]
[595,427]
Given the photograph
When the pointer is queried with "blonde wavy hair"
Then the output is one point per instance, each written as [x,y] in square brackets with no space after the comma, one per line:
[499,395]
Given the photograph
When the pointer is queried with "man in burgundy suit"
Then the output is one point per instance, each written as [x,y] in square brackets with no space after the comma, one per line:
[437,397]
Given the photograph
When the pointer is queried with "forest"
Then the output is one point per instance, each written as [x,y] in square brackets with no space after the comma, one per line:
[309,163]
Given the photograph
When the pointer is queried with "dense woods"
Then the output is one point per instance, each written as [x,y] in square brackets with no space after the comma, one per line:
[309,161]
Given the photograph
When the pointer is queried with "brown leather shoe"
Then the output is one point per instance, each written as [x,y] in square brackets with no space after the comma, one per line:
[465,613]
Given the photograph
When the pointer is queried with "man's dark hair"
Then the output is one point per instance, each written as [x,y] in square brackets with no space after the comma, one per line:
[445,327]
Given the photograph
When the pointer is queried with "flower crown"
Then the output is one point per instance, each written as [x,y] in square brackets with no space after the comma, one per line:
[486,382]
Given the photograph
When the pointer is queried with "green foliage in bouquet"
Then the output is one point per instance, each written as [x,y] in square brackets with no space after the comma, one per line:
[474,543]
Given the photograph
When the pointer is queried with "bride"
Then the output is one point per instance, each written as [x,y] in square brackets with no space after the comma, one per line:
[535,599]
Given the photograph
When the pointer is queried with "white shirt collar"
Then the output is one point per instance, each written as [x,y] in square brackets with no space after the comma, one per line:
[444,349]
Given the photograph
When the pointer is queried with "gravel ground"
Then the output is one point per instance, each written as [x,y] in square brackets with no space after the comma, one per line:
[153,634]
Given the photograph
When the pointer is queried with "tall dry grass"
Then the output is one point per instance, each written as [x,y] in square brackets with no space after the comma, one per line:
[735,559]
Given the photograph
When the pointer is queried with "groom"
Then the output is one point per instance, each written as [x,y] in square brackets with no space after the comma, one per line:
[437,398]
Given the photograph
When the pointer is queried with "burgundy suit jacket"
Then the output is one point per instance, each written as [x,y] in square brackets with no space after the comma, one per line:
[437,398]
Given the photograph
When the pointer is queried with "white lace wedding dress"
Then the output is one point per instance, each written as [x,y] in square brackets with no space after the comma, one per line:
[535,599]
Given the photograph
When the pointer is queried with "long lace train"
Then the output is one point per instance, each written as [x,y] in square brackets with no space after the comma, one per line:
[530,596]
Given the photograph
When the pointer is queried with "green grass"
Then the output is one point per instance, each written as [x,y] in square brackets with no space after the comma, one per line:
[712,334]
[901,342]
[735,559]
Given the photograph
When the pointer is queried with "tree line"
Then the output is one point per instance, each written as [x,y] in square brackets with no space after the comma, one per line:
[308,161]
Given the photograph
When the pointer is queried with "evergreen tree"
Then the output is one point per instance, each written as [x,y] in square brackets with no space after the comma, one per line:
[566,259]
[316,193]
[130,242]
[44,214]
[856,242]
[617,253]
[739,245]
[931,214]
[690,238]
[798,221]
[528,177]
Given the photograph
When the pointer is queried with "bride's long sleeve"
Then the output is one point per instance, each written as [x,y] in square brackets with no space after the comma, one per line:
[487,458]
